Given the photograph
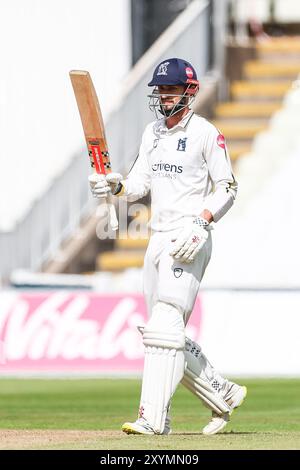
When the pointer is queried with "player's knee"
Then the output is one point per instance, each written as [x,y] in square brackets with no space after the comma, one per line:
[165,328]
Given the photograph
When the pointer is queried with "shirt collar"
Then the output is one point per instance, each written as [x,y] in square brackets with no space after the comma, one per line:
[161,128]
[185,120]
[181,124]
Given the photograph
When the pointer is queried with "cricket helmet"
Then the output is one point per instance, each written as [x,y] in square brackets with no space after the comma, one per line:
[173,72]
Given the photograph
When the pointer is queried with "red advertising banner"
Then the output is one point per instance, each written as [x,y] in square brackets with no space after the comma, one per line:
[74,332]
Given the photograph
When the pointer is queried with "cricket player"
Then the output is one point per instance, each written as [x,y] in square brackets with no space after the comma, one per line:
[183,162]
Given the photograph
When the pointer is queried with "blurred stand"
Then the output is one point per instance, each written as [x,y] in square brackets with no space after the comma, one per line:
[262,19]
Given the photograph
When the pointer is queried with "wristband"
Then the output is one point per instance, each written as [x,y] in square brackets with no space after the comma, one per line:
[201,222]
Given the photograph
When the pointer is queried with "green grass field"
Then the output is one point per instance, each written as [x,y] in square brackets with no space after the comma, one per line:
[88,414]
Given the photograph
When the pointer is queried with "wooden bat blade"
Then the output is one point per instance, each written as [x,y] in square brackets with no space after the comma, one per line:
[93,128]
[91,119]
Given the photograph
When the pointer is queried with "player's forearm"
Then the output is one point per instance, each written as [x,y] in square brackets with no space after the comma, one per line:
[132,190]
[221,201]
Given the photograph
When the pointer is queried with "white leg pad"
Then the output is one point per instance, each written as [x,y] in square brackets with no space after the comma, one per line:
[202,380]
[164,342]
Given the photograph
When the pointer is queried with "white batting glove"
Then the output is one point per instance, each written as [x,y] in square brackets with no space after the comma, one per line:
[101,185]
[94,179]
[190,241]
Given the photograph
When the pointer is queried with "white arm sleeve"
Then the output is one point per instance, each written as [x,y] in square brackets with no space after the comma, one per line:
[137,183]
[220,171]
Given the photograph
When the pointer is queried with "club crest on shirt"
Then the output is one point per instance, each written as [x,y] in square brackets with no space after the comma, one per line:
[178,272]
[181,144]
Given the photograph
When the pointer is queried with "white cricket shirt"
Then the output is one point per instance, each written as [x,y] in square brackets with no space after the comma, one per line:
[186,168]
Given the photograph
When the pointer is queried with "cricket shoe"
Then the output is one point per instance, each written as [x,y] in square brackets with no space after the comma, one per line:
[141,426]
[234,396]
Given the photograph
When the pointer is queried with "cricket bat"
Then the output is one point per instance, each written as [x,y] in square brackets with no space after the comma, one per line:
[93,128]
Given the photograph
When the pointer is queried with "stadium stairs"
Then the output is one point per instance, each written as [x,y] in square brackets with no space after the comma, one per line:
[253,101]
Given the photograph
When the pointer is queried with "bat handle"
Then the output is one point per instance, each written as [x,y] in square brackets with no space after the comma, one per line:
[114,223]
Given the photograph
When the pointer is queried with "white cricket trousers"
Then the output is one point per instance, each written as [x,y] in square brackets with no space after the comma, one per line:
[167,280]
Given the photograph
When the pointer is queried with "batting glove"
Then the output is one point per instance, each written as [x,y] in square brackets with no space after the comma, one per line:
[101,185]
[190,241]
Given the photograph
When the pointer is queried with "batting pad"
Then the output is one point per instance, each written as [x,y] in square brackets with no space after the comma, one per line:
[202,380]
[164,342]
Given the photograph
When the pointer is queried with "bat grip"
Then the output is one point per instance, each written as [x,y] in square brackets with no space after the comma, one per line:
[114,223]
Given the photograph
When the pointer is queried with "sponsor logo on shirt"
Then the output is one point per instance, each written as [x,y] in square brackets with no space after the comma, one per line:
[221,141]
[171,168]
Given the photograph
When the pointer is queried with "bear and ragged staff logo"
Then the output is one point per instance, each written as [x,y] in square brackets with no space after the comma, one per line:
[163,69]
[181,146]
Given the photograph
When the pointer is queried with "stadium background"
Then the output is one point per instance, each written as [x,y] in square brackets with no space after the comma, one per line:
[70,298]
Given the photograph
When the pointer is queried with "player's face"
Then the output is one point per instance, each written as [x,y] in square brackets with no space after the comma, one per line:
[170,95]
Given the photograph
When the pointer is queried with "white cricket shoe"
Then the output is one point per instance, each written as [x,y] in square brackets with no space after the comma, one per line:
[234,396]
[140,426]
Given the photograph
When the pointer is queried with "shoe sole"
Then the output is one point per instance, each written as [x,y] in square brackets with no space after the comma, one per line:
[129,429]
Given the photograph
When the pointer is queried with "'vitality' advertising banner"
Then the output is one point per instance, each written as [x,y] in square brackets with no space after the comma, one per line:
[76,332]
[242,333]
